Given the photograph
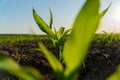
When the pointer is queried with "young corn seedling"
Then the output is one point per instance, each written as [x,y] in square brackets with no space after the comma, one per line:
[76,47]
[74,50]
[57,37]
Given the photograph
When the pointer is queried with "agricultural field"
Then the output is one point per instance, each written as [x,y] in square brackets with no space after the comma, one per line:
[64,54]
[20,37]
[102,59]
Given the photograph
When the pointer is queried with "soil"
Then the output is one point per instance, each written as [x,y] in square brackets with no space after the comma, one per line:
[101,62]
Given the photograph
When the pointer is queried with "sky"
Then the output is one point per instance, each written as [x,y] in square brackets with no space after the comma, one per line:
[16,15]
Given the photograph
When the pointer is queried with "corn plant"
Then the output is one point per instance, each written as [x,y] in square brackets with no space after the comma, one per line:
[76,47]
[25,73]
[74,50]
[57,37]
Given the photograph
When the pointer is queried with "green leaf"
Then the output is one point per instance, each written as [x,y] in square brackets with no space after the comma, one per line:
[42,25]
[65,33]
[26,73]
[32,73]
[83,29]
[61,30]
[55,31]
[104,12]
[55,64]
[115,75]
[51,19]
[61,33]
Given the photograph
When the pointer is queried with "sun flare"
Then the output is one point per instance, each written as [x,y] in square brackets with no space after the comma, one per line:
[116,14]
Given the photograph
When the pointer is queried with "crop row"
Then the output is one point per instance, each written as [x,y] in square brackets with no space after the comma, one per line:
[76,46]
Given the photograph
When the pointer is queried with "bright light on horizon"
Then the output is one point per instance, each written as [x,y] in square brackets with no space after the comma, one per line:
[111,21]
[116,14]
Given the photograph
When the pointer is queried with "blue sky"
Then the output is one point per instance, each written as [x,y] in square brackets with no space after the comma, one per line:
[16,15]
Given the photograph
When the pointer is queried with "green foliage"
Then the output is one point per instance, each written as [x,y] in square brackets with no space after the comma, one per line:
[51,19]
[74,50]
[107,38]
[9,39]
[42,25]
[76,47]
[60,35]
[55,64]
[115,75]
[26,73]
[57,37]
[83,30]
[104,12]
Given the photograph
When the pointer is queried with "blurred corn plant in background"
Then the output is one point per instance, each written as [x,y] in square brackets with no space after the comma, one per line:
[25,73]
